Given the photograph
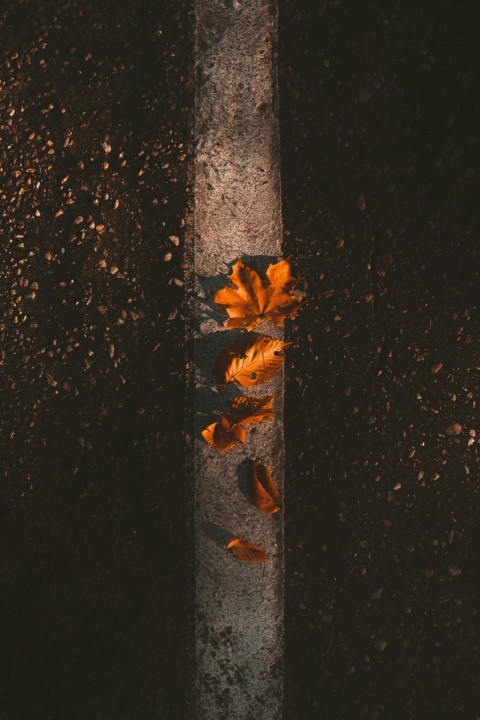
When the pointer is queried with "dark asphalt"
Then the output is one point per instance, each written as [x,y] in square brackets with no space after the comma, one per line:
[96,546]
[380,139]
[380,142]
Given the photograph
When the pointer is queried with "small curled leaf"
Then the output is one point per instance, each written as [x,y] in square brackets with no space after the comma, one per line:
[229,430]
[248,410]
[262,488]
[224,436]
[247,551]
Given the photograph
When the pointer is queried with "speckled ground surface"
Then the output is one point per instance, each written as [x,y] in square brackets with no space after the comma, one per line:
[380,138]
[96,115]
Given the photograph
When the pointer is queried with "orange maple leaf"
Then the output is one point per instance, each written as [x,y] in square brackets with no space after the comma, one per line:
[229,430]
[259,296]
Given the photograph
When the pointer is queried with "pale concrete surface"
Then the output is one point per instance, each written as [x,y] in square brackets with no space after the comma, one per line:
[239,635]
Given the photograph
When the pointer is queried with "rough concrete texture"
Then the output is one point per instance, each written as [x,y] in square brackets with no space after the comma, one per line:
[237,212]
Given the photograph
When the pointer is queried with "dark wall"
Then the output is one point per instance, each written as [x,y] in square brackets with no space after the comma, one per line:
[380,144]
[96,107]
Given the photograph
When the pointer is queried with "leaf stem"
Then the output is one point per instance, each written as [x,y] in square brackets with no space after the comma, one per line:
[261,339]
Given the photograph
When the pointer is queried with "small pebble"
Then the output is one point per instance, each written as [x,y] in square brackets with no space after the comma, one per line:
[364,95]
[454,570]
[454,429]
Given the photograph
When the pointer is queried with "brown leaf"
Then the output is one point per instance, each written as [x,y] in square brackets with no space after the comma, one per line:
[262,488]
[259,296]
[222,435]
[247,551]
[229,430]
[248,410]
[250,362]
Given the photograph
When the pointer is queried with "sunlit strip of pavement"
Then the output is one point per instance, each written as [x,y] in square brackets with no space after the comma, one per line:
[237,212]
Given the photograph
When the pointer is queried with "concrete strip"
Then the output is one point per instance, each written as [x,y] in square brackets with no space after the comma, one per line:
[239,630]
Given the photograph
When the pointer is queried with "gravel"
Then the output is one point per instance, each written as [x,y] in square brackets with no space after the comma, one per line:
[379,133]
[97,104]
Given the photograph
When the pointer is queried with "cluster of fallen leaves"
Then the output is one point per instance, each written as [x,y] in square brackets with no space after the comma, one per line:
[254,360]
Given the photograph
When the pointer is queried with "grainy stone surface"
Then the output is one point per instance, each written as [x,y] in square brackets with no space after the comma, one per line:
[237,213]
[380,139]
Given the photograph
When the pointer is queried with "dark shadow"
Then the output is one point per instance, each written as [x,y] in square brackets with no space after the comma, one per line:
[242,477]
[212,399]
[97,539]
[219,535]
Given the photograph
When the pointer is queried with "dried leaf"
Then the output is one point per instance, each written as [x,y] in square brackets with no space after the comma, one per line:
[250,362]
[247,551]
[229,431]
[262,488]
[259,296]
[248,410]
[222,435]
